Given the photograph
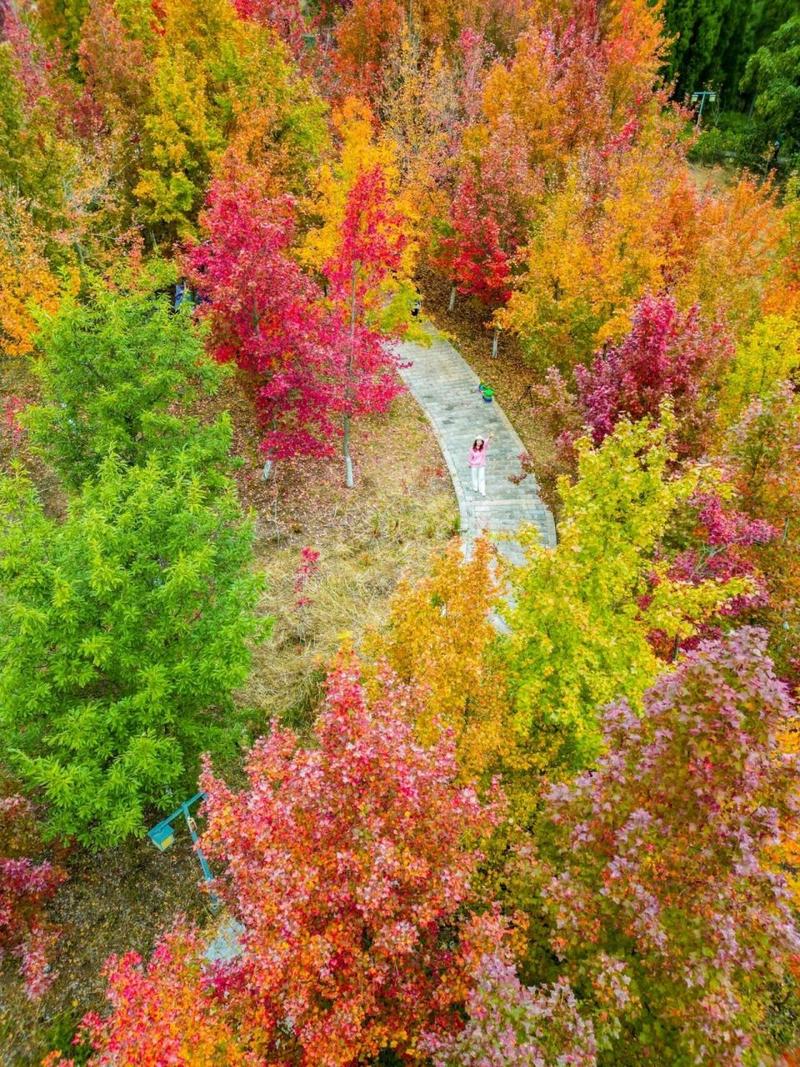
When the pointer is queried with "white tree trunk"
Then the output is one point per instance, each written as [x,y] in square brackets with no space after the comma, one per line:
[348,462]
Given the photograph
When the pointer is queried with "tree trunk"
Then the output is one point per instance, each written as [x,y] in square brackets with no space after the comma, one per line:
[348,462]
[452,303]
[266,470]
[495,340]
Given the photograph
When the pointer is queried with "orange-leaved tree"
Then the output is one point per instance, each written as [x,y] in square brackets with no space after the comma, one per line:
[351,865]
[26,277]
[163,1011]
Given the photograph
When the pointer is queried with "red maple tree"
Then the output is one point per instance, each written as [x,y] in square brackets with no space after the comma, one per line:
[347,865]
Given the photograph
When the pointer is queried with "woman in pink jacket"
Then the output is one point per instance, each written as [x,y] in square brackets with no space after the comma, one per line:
[477,464]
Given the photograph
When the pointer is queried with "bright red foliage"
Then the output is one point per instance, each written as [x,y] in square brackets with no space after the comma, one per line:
[346,863]
[163,1012]
[666,354]
[489,217]
[253,292]
[372,240]
[25,886]
[474,255]
[316,359]
[373,237]
[265,315]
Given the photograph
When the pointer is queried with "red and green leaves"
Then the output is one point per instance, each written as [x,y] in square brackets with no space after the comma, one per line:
[675,896]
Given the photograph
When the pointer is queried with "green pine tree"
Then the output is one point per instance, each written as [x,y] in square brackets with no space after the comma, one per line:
[119,372]
[123,631]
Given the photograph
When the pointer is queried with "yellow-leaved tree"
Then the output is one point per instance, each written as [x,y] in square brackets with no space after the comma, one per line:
[223,92]
[26,278]
[179,146]
[422,117]
[769,354]
[613,230]
[583,612]
[441,638]
[359,151]
[551,312]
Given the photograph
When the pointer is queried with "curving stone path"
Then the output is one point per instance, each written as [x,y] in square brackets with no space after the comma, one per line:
[446,388]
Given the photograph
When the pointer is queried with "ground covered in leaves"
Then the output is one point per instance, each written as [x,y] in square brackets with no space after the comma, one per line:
[401,508]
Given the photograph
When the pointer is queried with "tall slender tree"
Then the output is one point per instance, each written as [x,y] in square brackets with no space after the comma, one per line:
[370,249]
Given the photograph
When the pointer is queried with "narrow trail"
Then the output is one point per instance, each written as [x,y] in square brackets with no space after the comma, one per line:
[446,388]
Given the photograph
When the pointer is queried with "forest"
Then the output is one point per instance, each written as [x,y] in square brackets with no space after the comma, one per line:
[399,533]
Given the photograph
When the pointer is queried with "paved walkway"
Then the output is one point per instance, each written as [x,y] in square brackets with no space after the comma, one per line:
[225,945]
[446,388]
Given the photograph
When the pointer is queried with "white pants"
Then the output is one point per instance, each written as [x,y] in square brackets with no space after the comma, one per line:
[479,480]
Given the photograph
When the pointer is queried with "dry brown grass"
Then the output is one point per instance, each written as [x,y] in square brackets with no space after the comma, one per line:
[402,507]
[714,179]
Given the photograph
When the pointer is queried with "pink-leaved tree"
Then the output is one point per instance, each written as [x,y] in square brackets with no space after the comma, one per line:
[667,353]
[511,1025]
[25,888]
[666,906]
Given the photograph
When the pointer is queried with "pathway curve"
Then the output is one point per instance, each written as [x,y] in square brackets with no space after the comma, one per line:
[446,388]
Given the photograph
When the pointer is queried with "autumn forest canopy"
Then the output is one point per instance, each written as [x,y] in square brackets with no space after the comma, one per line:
[456,812]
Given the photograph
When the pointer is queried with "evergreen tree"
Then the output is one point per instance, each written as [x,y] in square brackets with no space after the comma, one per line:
[123,631]
[702,33]
[118,372]
[773,75]
[712,41]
